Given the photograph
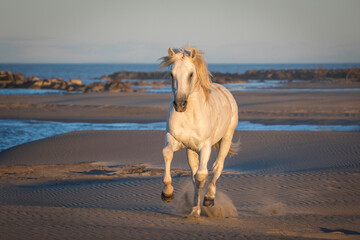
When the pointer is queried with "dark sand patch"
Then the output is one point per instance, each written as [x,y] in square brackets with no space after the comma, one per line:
[39,174]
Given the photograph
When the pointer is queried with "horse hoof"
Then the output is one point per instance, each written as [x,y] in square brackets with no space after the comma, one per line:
[167,199]
[195,213]
[208,202]
[193,216]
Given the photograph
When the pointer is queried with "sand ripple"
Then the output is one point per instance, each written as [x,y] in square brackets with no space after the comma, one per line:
[267,204]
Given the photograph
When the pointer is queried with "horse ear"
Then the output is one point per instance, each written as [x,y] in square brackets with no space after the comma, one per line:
[171,52]
[193,53]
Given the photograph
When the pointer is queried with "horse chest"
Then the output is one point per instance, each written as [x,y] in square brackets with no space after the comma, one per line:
[187,131]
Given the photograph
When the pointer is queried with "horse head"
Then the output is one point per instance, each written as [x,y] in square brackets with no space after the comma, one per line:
[188,74]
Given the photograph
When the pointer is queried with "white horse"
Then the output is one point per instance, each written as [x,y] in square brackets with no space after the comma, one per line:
[203,114]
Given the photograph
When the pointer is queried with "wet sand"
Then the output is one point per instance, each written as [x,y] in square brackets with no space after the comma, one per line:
[107,184]
[261,151]
[101,183]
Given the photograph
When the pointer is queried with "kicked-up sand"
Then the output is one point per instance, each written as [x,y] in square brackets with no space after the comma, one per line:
[107,184]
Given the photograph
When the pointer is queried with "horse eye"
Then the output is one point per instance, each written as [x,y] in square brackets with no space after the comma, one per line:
[191,74]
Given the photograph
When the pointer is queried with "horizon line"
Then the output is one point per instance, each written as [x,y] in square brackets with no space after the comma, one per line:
[154,63]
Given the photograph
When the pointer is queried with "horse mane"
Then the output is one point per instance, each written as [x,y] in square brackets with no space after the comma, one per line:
[196,57]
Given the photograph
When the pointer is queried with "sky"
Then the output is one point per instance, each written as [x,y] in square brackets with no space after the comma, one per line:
[141,31]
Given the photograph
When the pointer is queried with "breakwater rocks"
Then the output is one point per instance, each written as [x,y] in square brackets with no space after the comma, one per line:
[125,81]
[110,86]
[18,80]
[291,74]
[137,75]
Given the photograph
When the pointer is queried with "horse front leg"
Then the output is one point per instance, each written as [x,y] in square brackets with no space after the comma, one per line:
[167,194]
[200,179]
[193,160]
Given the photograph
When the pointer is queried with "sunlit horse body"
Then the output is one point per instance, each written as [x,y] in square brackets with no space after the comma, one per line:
[202,115]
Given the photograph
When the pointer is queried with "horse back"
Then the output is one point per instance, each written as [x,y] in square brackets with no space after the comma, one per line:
[223,100]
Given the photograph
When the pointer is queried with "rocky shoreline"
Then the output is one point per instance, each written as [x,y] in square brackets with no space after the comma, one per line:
[118,81]
[18,80]
[352,74]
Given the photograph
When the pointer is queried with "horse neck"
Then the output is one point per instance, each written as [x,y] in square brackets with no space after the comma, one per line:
[197,99]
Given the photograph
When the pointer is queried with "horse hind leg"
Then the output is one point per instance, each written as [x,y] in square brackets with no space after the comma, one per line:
[225,144]
[193,160]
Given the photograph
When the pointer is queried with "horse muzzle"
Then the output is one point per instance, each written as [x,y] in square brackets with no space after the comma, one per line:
[180,106]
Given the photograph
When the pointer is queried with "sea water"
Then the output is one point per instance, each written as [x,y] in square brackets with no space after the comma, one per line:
[16,132]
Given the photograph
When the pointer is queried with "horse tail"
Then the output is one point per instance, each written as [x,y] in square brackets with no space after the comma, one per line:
[234,147]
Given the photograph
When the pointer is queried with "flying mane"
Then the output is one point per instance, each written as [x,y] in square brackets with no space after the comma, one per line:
[195,56]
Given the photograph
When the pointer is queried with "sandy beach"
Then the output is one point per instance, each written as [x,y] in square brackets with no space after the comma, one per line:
[107,184]
[95,94]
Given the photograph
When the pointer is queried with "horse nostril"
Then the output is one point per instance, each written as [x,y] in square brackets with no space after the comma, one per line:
[180,106]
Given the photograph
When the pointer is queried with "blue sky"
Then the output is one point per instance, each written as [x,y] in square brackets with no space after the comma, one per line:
[115,31]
